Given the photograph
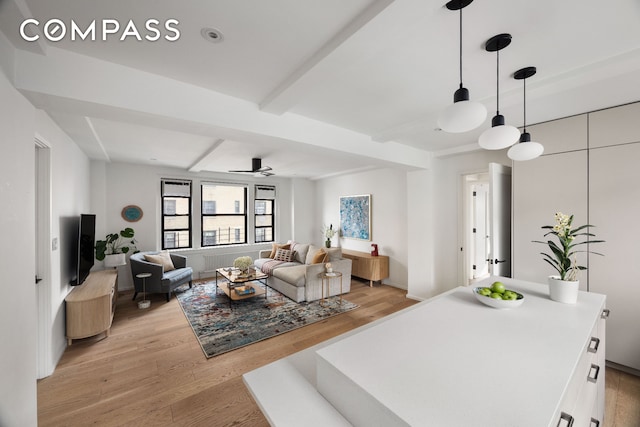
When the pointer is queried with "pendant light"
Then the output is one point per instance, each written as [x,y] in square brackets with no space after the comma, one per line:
[500,135]
[463,115]
[525,149]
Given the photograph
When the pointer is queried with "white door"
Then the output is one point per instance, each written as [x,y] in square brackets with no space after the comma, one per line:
[500,220]
[42,275]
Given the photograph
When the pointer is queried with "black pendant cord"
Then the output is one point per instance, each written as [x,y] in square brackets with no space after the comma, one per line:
[498,82]
[460,47]
[524,125]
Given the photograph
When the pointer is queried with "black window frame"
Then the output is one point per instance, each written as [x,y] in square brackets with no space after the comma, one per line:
[189,215]
[262,227]
[217,214]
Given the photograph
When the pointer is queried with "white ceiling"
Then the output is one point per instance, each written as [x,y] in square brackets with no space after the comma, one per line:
[311,85]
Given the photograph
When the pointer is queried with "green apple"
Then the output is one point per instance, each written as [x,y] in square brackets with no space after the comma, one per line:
[509,296]
[498,287]
[496,295]
[484,291]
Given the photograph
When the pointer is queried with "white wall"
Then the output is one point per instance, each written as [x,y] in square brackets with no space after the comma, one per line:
[128,184]
[388,189]
[70,197]
[435,199]
[17,218]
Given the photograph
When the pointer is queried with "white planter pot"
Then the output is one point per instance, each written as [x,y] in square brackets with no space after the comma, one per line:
[563,291]
[114,260]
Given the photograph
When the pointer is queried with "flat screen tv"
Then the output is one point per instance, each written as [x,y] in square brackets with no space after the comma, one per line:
[86,243]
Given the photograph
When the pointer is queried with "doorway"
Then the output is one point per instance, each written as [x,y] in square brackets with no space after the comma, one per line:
[476,226]
[486,224]
[42,275]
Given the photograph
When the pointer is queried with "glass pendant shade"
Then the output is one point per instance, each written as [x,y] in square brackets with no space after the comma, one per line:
[499,136]
[463,115]
[525,149]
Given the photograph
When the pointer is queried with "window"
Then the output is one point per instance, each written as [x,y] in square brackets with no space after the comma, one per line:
[264,214]
[224,217]
[176,214]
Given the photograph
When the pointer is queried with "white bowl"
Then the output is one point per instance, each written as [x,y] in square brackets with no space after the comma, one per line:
[499,303]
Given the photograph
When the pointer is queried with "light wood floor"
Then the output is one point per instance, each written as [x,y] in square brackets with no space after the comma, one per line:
[151,371]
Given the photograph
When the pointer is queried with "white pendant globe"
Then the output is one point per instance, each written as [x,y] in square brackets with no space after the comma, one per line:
[462,116]
[525,151]
[499,137]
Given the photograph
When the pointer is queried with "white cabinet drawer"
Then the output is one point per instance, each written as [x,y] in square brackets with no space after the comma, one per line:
[583,402]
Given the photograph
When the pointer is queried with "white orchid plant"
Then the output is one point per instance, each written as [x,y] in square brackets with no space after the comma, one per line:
[563,258]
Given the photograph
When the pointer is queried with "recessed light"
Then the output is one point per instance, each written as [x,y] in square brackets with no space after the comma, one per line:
[212,35]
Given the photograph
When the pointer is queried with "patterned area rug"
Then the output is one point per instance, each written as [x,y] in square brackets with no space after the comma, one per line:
[220,328]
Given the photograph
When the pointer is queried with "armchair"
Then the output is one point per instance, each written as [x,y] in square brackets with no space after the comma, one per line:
[160,281]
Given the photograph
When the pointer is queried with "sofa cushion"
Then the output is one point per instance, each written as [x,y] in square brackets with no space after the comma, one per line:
[300,251]
[276,246]
[180,275]
[283,255]
[162,258]
[294,275]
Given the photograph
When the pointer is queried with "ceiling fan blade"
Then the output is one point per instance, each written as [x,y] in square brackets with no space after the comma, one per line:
[256,168]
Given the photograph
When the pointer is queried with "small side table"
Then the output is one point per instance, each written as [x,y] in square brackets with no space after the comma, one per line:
[145,303]
[327,277]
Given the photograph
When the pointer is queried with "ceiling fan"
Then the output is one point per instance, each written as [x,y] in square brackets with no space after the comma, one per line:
[257,168]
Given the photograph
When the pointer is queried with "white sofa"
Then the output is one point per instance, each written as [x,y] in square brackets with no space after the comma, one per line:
[299,279]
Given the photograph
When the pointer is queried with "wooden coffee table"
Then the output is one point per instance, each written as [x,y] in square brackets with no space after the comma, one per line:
[234,279]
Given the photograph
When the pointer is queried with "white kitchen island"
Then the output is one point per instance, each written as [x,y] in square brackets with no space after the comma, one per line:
[451,361]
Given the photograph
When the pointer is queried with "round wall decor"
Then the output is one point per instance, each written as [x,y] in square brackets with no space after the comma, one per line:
[131,213]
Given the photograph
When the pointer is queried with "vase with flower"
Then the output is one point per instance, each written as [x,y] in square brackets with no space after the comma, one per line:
[243,263]
[328,233]
[564,287]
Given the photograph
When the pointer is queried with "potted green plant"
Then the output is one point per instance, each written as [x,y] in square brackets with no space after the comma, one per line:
[115,246]
[564,287]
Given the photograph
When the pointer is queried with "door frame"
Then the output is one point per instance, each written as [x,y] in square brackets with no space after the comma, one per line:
[44,351]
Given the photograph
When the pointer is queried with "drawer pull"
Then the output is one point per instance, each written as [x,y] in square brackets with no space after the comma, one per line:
[593,345]
[605,313]
[594,423]
[566,417]
[593,373]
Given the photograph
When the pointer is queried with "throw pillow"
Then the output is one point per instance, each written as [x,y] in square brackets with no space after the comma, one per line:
[276,246]
[283,255]
[319,257]
[300,251]
[162,258]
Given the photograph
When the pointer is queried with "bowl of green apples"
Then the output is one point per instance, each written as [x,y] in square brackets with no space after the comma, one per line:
[498,296]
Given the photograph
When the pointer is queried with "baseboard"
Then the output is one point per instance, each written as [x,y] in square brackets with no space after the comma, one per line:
[623,368]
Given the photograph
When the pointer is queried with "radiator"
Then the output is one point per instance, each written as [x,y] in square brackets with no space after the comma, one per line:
[214,261]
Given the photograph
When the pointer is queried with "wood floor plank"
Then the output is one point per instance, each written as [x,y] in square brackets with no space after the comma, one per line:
[152,371]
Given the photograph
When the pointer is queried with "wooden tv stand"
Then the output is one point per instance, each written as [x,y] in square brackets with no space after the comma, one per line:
[90,307]
[367,266]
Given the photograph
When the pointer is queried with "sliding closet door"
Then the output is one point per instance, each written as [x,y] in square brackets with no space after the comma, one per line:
[542,187]
[614,198]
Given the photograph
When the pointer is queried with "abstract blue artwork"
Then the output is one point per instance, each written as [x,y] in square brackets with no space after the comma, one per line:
[355,217]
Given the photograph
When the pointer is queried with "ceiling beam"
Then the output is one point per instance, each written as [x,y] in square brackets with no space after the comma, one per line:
[206,158]
[283,97]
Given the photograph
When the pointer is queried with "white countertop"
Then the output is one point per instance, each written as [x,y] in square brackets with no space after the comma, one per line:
[456,362]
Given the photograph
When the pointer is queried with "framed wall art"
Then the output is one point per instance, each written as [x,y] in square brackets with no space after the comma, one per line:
[355,217]
[131,213]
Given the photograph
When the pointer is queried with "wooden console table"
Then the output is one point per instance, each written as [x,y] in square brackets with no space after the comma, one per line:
[367,266]
[90,307]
